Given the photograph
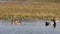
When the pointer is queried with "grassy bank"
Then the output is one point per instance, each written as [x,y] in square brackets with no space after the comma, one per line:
[29,11]
[33,0]
[45,0]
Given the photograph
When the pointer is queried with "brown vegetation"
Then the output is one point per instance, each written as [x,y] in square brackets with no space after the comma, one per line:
[37,10]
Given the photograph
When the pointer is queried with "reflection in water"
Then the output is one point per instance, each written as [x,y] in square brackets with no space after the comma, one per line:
[54,25]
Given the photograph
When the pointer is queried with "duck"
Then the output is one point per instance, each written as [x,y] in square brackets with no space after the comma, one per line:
[16,21]
[46,23]
[54,22]
[54,25]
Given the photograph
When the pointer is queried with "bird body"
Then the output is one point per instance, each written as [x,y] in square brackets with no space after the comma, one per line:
[16,21]
[46,23]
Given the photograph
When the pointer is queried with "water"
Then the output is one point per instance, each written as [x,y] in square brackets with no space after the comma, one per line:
[35,27]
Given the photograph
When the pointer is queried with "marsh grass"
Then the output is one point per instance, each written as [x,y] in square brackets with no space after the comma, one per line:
[36,0]
[30,11]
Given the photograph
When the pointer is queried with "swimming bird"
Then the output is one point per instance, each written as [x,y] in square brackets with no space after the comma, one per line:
[54,23]
[46,23]
[16,21]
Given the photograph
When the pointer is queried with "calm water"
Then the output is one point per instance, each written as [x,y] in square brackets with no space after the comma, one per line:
[26,27]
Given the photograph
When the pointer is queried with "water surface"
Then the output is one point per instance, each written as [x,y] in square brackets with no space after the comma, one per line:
[26,27]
